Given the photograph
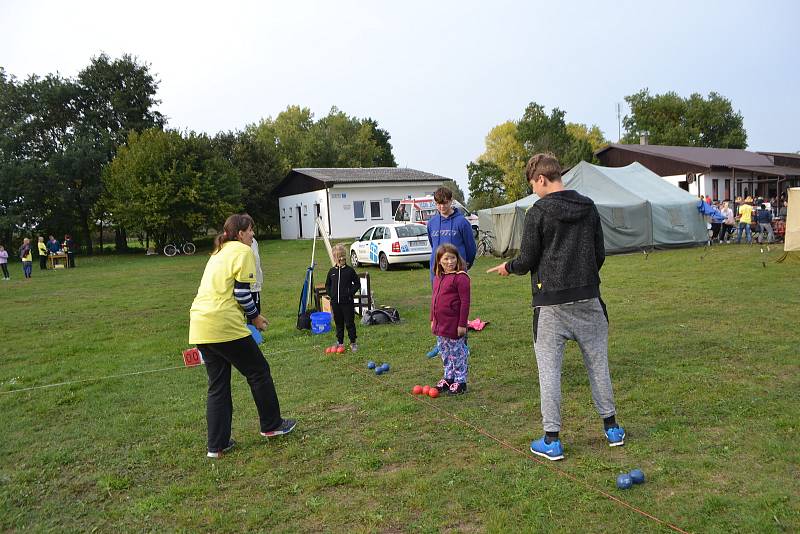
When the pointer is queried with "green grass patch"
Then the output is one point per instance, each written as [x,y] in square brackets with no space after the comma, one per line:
[704,359]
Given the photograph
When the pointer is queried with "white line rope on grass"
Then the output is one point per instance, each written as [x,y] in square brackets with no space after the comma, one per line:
[134,373]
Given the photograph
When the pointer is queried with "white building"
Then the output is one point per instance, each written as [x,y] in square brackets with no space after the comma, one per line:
[348,200]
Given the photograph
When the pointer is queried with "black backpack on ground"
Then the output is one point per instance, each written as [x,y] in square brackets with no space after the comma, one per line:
[382,315]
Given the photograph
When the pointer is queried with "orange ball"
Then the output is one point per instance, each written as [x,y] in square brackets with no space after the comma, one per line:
[417,390]
[433,393]
[426,389]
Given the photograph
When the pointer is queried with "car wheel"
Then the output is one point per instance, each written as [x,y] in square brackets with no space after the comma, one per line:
[426,264]
[354,259]
[383,262]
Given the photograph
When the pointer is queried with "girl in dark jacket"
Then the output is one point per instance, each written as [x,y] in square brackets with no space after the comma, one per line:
[342,283]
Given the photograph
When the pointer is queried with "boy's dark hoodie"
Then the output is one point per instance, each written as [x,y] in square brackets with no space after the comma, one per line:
[568,224]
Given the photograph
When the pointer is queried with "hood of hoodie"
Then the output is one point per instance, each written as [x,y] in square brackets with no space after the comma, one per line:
[567,206]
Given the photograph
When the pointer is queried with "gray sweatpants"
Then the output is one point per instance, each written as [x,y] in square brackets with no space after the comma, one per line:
[584,322]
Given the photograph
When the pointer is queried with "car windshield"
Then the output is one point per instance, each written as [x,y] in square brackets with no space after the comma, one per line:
[411,230]
[425,215]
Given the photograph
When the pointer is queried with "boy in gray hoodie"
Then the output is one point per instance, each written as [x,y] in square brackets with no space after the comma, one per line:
[562,249]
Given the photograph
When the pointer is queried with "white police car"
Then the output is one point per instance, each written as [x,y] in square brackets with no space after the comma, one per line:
[387,244]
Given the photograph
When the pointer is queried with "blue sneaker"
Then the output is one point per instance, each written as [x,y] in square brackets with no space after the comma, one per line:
[433,352]
[615,436]
[551,451]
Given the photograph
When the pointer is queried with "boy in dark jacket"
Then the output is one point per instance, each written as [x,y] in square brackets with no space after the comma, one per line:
[562,248]
[342,283]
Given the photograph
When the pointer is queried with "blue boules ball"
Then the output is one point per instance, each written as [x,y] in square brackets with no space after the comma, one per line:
[370,365]
[637,476]
[379,370]
[385,367]
[624,481]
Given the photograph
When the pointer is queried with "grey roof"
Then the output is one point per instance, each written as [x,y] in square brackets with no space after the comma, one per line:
[371,174]
[706,157]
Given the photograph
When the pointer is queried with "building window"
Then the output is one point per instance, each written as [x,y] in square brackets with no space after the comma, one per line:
[395,205]
[358,210]
[283,213]
[715,189]
[727,190]
[305,209]
[375,209]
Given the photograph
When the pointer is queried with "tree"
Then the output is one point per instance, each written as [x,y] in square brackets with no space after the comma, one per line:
[57,134]
[260,167]
[486,185]
[669,119]
[504,150]
[164,185]
[452,185]
[540,132]
[594,135]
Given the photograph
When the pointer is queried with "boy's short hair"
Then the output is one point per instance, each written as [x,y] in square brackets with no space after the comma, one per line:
[442,195]
[545,164]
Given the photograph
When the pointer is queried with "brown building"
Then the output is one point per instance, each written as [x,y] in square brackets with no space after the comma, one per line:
[722,173]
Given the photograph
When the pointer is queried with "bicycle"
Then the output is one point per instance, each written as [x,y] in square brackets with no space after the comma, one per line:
[485,243]
[185,247]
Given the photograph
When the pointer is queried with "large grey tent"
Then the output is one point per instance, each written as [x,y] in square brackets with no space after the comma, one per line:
[637,208]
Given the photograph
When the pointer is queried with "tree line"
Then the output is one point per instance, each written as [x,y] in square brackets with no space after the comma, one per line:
[84,154]
[498,175]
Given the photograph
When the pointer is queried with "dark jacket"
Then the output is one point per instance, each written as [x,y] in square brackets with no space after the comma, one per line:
[562,247]
[763,216]
[342,284]
[454,229]
[450,304]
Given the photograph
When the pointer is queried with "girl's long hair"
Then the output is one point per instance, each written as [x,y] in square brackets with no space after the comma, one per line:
[238,222]
[461,265]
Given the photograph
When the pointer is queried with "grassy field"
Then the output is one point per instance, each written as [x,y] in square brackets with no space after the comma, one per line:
[704,358]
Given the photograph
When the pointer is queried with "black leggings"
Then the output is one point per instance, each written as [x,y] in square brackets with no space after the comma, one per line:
[245,355]
[5,270]
[343,316]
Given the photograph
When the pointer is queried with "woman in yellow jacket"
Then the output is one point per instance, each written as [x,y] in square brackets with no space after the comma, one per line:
[218,327]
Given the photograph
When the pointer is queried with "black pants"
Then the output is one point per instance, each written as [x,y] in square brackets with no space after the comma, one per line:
[343,316]
[5,270]
[71,260]
[245,355]
[42,262]
[715,229]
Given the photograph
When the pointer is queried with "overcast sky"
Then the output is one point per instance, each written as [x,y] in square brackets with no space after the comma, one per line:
[437,75]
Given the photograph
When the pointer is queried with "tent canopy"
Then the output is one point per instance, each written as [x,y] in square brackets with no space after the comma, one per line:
[637,209]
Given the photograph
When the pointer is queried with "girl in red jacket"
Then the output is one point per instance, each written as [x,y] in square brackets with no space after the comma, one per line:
[449,314]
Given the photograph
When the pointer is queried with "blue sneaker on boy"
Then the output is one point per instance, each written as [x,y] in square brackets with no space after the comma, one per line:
[615,436]
[551,451]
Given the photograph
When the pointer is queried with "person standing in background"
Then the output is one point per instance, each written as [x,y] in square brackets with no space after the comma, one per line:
[255,287]
[25,256]
[69,248]
[42,254]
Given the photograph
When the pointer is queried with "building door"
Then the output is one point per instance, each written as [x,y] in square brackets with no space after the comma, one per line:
[300,222]
[316,216]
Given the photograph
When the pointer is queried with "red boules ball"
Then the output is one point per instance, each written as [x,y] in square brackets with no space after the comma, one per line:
[426,389]
[433,393]
[417,390]
[340,349]
[327,350]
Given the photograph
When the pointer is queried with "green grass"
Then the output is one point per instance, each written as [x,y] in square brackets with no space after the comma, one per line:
[704,358]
